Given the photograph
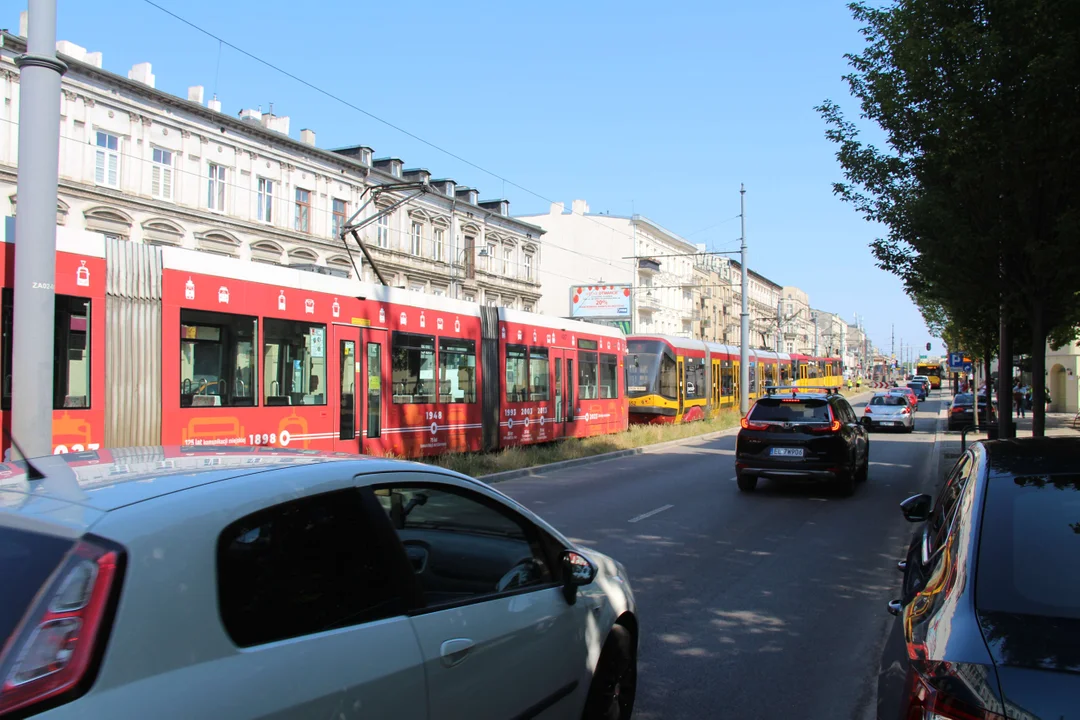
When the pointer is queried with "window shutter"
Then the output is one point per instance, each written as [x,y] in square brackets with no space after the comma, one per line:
[155,181]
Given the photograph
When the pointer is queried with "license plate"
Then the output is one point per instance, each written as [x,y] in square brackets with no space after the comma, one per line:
[888,422]
[786,452]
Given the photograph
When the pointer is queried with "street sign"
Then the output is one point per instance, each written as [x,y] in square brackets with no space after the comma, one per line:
[967,370]
[958,361]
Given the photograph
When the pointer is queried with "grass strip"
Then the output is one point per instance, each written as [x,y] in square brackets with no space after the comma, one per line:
[515,458]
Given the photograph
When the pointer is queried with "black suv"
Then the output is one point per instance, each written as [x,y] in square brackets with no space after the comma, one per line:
[800,434]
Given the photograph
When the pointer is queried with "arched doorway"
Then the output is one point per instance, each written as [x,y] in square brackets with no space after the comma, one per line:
[1057,389]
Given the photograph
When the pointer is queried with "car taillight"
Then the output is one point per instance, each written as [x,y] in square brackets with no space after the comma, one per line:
[55,646]
[957,409]
[832,427]
[939,706]
[906,410]
[867,411]
[748,424]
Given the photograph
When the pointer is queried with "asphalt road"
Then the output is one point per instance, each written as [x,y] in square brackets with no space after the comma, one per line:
[763,605]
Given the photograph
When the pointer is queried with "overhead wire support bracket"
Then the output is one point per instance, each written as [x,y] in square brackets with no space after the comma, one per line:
[352,227]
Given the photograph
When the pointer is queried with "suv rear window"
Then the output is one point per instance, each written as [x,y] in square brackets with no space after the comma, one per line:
[27,559]
[790,410]
[1028,560]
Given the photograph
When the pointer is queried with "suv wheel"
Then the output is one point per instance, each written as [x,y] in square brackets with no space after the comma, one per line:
[845,481]
[747,483]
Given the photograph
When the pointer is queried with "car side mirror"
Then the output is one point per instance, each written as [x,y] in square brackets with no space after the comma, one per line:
[578,570]
[917,508]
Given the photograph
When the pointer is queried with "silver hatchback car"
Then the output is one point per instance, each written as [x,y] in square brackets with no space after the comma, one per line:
[251,583]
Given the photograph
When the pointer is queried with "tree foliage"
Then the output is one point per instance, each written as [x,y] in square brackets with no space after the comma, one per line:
[978,184]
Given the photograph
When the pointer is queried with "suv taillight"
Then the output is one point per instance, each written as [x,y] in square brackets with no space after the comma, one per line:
[832,427]
[748,424]
[55,647]
[937,705]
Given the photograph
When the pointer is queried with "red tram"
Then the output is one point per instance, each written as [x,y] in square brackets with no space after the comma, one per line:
[161,345]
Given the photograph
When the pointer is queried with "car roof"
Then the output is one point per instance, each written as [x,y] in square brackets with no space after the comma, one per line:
[105,480]
[1032,456]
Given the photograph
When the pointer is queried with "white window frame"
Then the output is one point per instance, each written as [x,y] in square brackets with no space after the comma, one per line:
[265,195]
[382,231]
[508,262]
[335,229]
[438,243]
[528,266]
[492,248]
[416,235]
[107,159]
[161,173]
[216,192]
[302,211]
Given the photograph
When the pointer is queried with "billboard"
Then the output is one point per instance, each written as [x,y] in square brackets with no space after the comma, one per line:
[600,301]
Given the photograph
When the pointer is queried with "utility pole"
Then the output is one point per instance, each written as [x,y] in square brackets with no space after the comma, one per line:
[744,334]
[892,347]
[34,312]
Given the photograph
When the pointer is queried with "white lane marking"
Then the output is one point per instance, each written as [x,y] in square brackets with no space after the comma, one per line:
[650,513]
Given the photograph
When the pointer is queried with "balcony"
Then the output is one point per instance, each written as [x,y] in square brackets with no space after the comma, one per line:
[647,303]
[648,266]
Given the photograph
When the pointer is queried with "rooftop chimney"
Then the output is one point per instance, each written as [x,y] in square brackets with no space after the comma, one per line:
[558,208]
[94,59]
[278,123]
[579,207]
[23,23]
[307,136]
[195,94]
[141,73]
[253,116]
[214,104]
[70,49]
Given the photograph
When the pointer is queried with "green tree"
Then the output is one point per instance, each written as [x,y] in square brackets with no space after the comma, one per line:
[978,187]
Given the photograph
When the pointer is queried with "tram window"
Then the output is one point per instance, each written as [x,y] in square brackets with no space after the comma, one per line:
[71,349]
[6,325]
[538,373]
[294,363]
[695,373]
[413,362]
[770,378]
[517,373]
[669,380]
[609,376]
[727,379]
[457,371]
[217,359]
[587,375]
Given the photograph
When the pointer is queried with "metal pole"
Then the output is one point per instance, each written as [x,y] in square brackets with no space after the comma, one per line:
[744,334]
[779,322]
[35,232]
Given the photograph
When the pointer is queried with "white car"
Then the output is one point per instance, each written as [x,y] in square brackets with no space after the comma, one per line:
[242,583]
[889,411]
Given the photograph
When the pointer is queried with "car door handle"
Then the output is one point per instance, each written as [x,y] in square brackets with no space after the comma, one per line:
[453,652]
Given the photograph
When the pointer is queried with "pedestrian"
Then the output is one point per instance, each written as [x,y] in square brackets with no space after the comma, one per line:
[1018,399]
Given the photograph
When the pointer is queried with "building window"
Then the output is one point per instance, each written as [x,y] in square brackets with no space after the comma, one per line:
[528,307]
[294,363]
[438,244]
[417,236]
[508,262]
[528,267]
[266,201]
[457,371]
[382,231]
[413,364]
[609,376]
[491,257]
[107,160]
[161,175]
[302,222]
[469,297]
[215,196]
[340,216]
[438,291]
[217,359]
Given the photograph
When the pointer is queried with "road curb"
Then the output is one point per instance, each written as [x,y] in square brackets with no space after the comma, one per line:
[540,470]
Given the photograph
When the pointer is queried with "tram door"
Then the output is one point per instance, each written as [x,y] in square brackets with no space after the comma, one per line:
[347,378]
[561,392]
[374,376]
[680,383]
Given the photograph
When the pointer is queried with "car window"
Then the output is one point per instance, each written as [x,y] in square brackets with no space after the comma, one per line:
[941,517]
[847,415]
[1028,559]
[790,410]
[463,545]
[303,567]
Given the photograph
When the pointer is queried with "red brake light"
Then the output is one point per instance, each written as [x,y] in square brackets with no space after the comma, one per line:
[747,424]
[832,427]
[867,411]
[906,410]
[51,651]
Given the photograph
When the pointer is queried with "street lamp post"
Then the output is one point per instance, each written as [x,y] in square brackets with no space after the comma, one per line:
[744,334]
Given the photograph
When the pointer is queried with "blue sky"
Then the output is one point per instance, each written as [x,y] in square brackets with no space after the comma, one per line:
[663,109]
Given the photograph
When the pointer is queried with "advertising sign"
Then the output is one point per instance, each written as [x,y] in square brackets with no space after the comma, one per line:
[600,301]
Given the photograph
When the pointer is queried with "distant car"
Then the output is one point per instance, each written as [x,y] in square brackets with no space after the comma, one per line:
[909,393]
[988,615]
[921,390]
[802,436]
[244,583]
[961,414]
[890,411]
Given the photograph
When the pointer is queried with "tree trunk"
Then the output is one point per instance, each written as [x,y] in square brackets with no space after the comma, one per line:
[1006,428]
[1038,372]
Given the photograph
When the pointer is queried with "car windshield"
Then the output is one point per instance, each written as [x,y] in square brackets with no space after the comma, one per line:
[892,400]
[790,410]
[1029,562]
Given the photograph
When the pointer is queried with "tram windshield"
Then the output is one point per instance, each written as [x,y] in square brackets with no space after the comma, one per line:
[650,370]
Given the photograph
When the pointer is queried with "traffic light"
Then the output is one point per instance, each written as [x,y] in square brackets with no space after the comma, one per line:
[927,347]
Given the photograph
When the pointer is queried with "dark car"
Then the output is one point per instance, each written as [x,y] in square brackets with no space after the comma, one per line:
[988,619]
[921,389]
[797,434]
[961,415]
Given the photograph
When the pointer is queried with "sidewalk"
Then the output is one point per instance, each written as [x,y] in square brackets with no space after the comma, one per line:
[949,442]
